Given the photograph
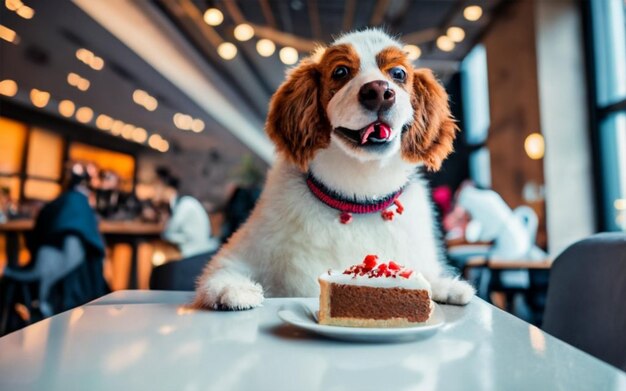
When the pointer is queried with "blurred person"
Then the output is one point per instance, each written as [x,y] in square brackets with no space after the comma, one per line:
[188,226]
[67,249]
[107,193]
[8,208]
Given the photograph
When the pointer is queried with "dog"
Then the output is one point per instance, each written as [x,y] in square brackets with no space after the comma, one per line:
[352,124]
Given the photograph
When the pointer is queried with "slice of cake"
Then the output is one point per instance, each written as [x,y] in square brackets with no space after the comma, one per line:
[374,295]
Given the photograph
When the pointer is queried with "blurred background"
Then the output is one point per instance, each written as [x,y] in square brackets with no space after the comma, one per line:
[149,109]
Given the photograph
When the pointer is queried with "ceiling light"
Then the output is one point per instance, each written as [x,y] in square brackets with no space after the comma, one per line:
[116,127]
[534,146]
[154,141]
[472,13]
[8,35]
[89,58]
[66,108]
[227,50]
[445,43]
[104,122]
[78,81]
[8,87]
[183,121]
[413,52]
[288,55]
[13,5]
[265,47]
[164,146]
[142,98]
[243,32]
[197,125]
[456,34]
[620,204]
[139,135]
[97,63]
[84,114]
[127,131]
[213,17]
[25,12]
[39,98]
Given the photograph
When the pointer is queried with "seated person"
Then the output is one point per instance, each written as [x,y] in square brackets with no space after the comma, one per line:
[188,227]
[66,246]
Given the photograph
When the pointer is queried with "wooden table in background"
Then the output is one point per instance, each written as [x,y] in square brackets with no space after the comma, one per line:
[129,232]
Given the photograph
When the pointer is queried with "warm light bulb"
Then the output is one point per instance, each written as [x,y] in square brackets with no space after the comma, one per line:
[104,122]
[265,47]
[445,43]
[66,108]
[456,34]
[39,98]
[243,32]
[139,135]
[197,125]
[227,50]
[116,127]
[213,17]
[84,115]
[25,12]
[534,146]
[472,13]
[8,35]
[8,87]
[413,52]
[154,140]
[288,55]
[13,5]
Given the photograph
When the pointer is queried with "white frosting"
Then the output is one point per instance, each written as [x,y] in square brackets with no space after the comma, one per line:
[415,281]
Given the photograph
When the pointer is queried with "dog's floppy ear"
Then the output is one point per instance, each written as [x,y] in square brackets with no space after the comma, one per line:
[297,122]
[429,138]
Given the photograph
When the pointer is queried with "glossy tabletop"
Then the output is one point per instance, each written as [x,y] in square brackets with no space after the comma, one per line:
[146,340]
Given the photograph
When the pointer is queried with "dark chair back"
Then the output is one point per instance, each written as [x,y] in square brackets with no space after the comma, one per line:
[586,304]
[179,275]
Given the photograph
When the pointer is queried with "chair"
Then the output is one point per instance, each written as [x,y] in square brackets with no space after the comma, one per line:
[179,275]
[586,303]
[50,266]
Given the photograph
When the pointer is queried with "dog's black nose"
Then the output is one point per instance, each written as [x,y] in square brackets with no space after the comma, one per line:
[377,96]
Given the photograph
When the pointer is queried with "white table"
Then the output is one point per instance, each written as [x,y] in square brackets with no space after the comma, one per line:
[141,340]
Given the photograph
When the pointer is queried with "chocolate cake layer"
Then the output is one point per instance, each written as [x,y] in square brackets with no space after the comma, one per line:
[375,303]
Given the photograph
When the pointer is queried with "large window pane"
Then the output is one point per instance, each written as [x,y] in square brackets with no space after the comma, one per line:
[613,147]
[12,139]
[475,90]
[609,33]
[45,155]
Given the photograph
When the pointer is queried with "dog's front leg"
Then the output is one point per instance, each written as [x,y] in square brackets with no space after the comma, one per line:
[225,285]
[450,290]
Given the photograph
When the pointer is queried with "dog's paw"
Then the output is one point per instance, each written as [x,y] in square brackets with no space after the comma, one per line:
[240,297]
[452,291]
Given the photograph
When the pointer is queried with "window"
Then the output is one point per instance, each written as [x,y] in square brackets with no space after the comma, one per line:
[608,19]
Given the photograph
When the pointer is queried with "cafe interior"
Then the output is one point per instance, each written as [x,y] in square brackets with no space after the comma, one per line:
[116,115]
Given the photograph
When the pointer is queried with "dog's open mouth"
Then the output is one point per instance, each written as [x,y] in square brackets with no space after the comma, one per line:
[374,133]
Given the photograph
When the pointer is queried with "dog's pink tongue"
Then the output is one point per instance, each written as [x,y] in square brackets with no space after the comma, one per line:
[384,131]
[370,129]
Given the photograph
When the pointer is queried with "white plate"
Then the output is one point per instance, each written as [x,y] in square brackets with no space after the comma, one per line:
[304,316]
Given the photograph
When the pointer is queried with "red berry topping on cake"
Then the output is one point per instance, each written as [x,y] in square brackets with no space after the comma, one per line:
[370,261]
[372,269]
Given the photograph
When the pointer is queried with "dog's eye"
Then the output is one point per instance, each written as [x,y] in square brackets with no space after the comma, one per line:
[340,72]
[398,74]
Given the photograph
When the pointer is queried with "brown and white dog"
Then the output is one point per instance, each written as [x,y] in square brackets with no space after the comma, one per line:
[352,124]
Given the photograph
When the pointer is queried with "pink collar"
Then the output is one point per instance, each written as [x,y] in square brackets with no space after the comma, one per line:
[341,203]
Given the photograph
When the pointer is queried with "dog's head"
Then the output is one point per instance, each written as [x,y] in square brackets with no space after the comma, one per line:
[363,94]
